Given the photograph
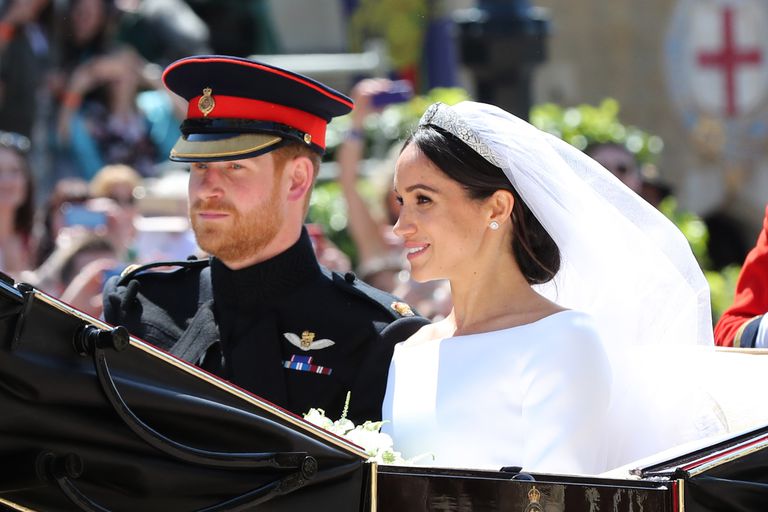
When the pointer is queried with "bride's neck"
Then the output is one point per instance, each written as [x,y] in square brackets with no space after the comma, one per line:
[481,305]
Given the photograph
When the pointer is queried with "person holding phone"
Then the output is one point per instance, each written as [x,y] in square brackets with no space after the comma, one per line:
[261,312]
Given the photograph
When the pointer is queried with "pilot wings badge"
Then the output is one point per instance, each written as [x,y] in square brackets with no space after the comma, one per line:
[307,341]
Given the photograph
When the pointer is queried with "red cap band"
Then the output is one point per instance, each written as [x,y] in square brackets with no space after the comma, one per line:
[232,107]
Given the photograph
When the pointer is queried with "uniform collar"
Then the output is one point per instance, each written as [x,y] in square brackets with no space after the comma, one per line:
[268,280]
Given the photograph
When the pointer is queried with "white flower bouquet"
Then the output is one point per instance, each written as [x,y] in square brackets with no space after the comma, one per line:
[368,436]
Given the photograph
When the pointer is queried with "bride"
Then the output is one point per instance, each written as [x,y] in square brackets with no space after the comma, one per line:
[559,276]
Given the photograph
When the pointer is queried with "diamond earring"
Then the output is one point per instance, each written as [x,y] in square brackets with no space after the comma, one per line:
[493,225]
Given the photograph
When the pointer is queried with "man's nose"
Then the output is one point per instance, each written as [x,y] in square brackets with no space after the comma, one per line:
[209,183]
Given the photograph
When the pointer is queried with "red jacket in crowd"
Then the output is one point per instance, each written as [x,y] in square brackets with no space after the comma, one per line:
[739,324]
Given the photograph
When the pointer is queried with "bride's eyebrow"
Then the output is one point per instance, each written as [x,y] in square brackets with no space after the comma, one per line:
[420,186]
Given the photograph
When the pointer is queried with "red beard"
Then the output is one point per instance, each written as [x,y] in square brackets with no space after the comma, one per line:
[243,235]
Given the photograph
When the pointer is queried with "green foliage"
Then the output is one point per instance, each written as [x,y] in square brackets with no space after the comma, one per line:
[327,208]
[693,228]
[583,125]
[722,285]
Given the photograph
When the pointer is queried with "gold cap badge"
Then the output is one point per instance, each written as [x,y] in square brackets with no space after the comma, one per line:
[307,138]
[206,103]
[307,337]
[402,308]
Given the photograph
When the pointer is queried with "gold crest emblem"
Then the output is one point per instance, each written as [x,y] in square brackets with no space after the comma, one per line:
[307,138]
[533,500]
[206,103]
[402,308]
[307,337]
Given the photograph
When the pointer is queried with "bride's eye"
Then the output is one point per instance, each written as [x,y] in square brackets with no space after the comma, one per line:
[399,200]
[421,199]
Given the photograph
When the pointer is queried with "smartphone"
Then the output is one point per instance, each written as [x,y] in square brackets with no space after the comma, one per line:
[399,91]
[79,215]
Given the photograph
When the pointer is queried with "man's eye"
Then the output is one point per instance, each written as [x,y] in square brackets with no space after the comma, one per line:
[236,166]
[199,165]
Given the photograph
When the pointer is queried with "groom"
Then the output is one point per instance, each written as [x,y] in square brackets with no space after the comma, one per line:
[261,312]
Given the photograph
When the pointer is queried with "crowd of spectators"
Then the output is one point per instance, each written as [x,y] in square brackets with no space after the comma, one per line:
[85,129]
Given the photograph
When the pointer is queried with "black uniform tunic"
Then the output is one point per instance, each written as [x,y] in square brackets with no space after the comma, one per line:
[285,329]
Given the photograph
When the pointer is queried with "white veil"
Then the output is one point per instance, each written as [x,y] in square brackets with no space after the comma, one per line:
[623,262]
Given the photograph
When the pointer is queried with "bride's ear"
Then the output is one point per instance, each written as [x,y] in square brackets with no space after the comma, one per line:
[500,206]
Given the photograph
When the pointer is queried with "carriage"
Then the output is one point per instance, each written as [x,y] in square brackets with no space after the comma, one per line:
[96,420]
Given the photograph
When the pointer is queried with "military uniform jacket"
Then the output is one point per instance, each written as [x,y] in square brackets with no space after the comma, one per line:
[285,329]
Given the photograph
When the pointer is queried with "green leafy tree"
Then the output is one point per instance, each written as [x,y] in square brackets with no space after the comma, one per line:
[583,125]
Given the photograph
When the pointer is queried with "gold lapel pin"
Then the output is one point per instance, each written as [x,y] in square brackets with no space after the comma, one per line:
[402,308]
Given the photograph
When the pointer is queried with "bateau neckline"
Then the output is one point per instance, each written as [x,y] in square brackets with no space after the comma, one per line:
[547,318]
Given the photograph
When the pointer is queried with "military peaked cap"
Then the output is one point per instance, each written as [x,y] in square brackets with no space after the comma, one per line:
[239,108]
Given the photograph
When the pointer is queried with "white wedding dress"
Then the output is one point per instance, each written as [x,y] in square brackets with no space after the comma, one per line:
[534,396]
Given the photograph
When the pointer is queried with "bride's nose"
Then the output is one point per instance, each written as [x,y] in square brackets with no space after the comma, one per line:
[404,226]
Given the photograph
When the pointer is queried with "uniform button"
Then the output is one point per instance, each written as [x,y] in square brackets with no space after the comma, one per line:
[350,277]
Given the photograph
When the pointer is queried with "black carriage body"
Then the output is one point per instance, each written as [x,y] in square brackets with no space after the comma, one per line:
[90,420]
[727,476]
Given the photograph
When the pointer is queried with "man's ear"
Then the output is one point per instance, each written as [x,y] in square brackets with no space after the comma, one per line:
[300,176]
